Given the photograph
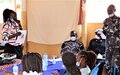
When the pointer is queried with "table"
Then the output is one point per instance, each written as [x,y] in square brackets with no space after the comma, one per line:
[50,69]
[9,67]
[56,67]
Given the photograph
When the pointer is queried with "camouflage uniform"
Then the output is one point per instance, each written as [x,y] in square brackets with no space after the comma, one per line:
[72,46]
[112,44]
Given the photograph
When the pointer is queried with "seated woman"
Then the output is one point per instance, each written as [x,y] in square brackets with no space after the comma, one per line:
[69,61]
[73,45]
[31,64]
[97,44]
[82,63]
[92,58]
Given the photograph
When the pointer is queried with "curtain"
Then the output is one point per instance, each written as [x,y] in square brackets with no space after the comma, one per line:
[80,13]
[51,21]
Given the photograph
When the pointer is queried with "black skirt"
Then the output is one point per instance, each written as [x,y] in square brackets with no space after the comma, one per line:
[14,49]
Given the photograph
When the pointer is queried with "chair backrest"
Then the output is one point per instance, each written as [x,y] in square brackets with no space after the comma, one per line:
[95,70]
[115,69]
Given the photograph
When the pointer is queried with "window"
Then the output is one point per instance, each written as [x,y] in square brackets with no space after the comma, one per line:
[6,4]
[96,10]
[18,4]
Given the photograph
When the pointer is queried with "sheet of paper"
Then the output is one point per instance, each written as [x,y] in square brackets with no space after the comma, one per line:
[58,59]
[100,56]
[22,37]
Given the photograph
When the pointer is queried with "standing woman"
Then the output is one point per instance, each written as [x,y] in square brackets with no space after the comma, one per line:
[10,32]
[112,45]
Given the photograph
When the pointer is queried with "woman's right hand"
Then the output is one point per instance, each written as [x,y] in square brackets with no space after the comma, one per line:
[55,73]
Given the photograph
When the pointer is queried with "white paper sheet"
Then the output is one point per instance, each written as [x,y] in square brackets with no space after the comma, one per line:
[22,37]
[100,56]
[58,59]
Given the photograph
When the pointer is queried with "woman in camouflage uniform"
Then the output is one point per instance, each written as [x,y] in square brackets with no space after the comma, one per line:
[73,45]
[112,30]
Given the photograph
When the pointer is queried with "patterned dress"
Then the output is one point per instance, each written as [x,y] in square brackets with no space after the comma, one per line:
[11,27]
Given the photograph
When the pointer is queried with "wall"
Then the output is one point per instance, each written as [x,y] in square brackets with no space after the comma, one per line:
[41,48]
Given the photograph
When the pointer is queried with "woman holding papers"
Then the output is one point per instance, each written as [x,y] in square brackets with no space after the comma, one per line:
[10,33]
